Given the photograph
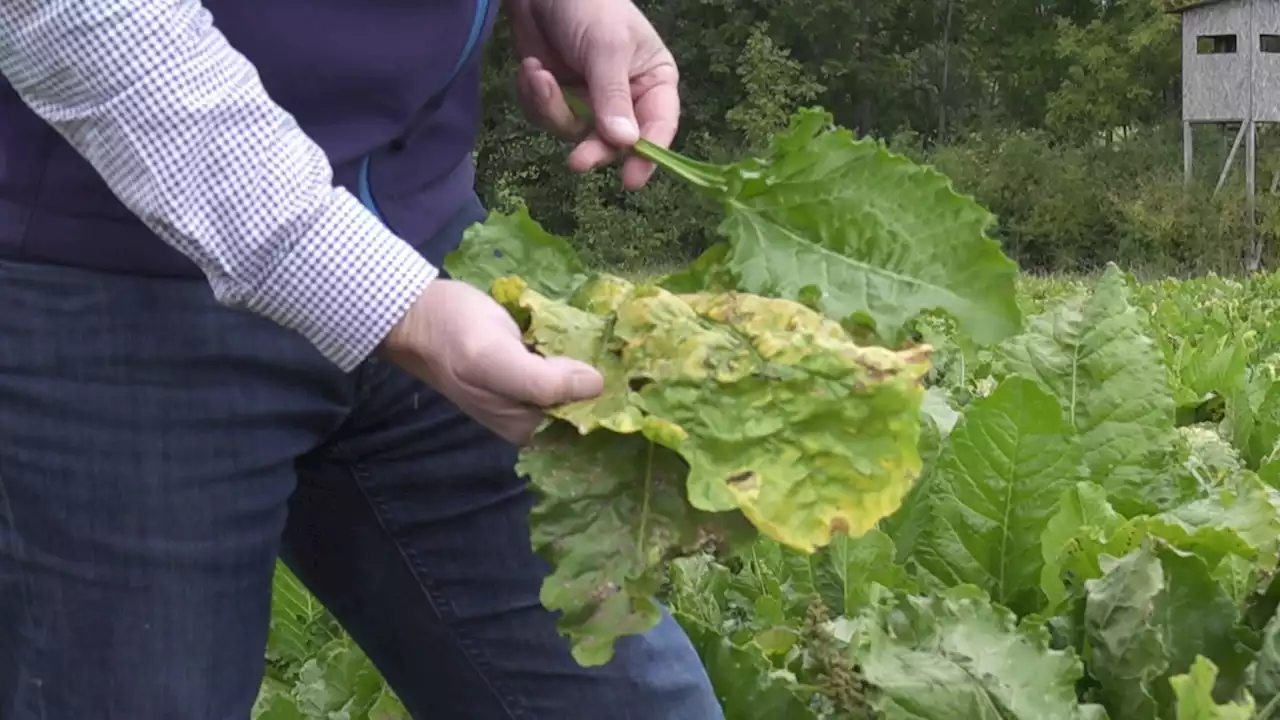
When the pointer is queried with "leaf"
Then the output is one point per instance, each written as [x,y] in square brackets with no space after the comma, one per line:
[1265,673]
[1128,650]
[776,411]
[387,707]
[858,231]
[611,512]
[1096,358]
[939,409]
[339,679]
[1197,616]
[1243,521]
[1083,511]
[956,655]
[995,487]
[516,245]
[746,685]
[1194,691]
[300,624]
[275,702]
[845,570]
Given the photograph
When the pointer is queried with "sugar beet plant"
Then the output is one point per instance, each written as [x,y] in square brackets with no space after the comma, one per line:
[865,486]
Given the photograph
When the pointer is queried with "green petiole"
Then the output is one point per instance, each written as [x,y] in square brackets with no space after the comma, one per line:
[704,175]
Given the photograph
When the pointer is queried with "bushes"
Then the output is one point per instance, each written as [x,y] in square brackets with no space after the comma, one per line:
[1067,207]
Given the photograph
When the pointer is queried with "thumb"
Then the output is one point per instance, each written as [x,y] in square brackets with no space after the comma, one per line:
[546,382]
[608,76]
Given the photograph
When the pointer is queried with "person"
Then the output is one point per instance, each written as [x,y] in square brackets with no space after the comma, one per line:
[225,338]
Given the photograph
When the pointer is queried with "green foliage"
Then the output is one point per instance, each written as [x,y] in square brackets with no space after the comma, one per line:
[315,671]
[1163,614]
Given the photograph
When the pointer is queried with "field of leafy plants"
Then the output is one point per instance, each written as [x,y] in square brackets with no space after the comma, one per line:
[874,473]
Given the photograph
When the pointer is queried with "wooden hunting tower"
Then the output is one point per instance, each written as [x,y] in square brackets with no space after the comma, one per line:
[1230,77]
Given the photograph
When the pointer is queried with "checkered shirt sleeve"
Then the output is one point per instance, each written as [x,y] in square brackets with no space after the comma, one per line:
[180,127]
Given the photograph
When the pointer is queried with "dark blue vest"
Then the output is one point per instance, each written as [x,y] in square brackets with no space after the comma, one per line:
[389,88]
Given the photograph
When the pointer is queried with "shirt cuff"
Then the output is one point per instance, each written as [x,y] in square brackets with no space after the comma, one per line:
[345,283]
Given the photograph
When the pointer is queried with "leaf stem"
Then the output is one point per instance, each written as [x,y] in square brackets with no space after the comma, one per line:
[704,175]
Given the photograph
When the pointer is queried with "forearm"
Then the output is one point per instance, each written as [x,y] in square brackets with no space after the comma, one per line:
[182,130]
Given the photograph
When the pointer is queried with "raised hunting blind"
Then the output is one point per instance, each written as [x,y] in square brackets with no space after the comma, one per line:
[1231,78]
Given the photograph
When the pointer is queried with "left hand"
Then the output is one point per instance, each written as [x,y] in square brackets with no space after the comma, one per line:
[609,49]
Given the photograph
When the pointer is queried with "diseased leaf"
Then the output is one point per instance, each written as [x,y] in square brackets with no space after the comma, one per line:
[855,229]
[1194,691]
[611,512]
[776,411]
[956,655]
[995,487]
[1096,358]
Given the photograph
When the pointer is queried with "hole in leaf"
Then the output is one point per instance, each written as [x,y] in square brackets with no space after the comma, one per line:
[636,384]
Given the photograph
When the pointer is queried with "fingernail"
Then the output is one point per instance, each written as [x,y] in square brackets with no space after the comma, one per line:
[585,384]
[622,129]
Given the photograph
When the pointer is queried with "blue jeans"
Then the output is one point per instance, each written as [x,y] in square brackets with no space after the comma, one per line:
[158,452]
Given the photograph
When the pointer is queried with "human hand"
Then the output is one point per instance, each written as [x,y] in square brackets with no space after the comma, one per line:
[464,344]
[609,49]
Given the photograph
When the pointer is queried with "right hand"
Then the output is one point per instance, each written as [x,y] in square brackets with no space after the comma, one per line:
[461,342]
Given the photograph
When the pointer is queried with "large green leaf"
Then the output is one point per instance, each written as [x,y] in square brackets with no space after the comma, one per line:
[855,230]
[1096,357]
[776,411]
[956,655]
[845,570]
[993,491]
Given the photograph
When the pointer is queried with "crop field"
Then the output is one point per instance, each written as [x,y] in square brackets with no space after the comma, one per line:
[962,492]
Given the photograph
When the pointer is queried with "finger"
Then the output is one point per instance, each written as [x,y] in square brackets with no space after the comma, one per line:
[658,111]
[511,372]
[608,76]
[518,426]
[591,153]
[544,101]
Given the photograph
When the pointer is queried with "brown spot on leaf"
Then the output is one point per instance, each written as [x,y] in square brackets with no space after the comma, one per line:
[744,481]
[839,526]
